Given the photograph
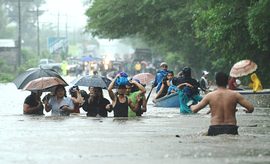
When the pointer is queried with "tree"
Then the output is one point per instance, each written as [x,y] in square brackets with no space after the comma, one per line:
[234,30]
[202,34]
[165,25]
[259,24]
[28,18]
[5,31]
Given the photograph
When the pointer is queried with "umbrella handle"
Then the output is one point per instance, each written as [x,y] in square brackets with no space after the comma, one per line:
[149,94]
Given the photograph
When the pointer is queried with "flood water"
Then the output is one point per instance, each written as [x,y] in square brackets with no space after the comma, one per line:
[160,136]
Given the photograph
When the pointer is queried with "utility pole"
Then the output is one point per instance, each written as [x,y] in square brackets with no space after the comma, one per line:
[38,41]
[19,35]
[66,26]
[37,12]
[58,17]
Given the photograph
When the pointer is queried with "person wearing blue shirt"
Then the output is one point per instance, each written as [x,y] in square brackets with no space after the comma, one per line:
[160,75]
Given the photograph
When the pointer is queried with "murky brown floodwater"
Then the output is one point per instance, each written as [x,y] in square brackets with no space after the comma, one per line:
[160,136]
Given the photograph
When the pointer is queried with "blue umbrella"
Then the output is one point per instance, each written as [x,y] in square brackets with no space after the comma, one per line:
[87,59]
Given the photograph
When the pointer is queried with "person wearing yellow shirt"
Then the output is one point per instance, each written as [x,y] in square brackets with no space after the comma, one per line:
[255,84]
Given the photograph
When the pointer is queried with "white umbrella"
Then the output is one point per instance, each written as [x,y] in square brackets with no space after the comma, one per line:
[243,68]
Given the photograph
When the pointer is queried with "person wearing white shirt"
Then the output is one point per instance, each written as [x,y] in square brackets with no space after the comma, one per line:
[59,104]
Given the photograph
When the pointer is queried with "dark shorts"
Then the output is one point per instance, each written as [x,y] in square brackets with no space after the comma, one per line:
[222,129]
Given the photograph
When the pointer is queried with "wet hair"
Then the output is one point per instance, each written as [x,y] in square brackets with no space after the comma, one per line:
[180,74]
[98,89]
[84,94]
[36,92]
[186,71]
[175,81]
[73,90]
[169,71]
[164,80]
[122,87]
[222,79]
[60,87]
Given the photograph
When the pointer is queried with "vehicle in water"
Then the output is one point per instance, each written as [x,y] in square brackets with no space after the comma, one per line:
[49,64]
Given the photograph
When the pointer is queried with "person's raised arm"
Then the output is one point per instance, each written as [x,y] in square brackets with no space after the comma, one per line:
[144,103]
[245,103]
[180,86]
[160,91]
[111,94]
[79,98]
[196,108]
[141,88]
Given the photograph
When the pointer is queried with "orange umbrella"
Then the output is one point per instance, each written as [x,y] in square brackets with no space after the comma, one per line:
[144,78]
[44,83]
[243,68]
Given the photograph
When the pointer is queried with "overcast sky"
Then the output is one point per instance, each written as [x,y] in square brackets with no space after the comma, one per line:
[70,11]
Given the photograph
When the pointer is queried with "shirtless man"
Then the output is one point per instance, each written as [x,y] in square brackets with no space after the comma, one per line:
[222,104]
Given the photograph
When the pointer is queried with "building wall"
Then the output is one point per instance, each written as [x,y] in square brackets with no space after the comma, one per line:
[8,55]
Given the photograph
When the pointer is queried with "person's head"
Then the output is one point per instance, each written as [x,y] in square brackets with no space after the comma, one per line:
[96,91]
[164,65]
[170,75]
[73,91]
[95,72]
[186,72]
[37,93]
[205,73]
[122,89]
[83,93]
[128,89]
[132,87]
[60,91]
[180,74]
[253,77]
[238,82]
[222,79]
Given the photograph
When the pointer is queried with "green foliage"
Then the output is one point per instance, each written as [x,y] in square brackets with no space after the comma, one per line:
[210,35]
[259,24]
[176,60]
[28,19]
[6,72]
[220,24]
[31,59]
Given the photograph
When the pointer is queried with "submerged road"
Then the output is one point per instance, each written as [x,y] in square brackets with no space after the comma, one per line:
[160,136]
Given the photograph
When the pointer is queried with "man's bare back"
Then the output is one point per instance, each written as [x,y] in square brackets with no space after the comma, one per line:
[222,104]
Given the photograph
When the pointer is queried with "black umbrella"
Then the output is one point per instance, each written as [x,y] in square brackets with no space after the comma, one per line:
[23,79]
[92,81]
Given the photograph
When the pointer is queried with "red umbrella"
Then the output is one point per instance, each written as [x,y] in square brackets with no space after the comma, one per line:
[243,68]
[144,78]
[44,83]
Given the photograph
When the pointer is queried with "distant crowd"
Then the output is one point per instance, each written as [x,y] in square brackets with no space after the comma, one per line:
[129,98]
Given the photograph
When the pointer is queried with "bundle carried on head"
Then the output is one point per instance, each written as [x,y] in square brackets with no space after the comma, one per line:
[122,79]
